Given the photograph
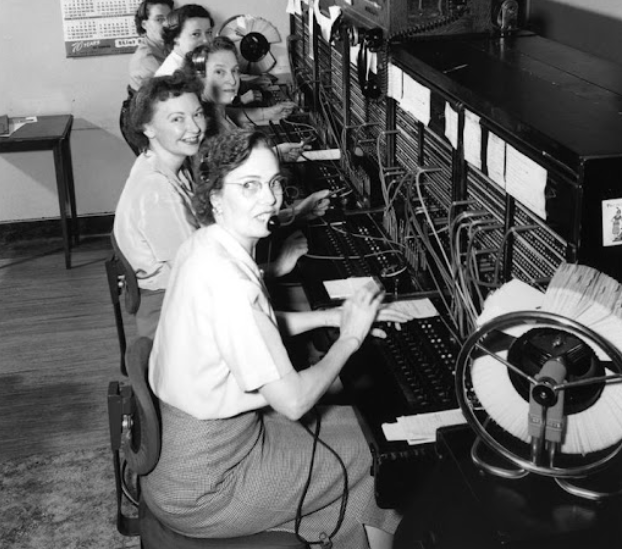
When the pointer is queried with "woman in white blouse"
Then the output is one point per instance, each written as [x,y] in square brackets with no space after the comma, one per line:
[237,438]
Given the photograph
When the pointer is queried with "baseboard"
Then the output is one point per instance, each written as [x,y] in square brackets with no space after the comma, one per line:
[90,225]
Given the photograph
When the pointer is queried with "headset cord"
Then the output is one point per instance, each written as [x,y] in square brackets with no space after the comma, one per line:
[325,540]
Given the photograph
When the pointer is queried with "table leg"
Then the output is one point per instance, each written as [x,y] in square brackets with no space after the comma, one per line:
[61,184]
[71,190]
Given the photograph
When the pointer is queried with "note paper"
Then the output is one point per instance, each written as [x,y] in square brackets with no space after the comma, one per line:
[416,100]
[421,428]
[472,139]
[451,125]
[416,308]
[345,287]
[525,180]
[395,86]
[323,154]
[495,154]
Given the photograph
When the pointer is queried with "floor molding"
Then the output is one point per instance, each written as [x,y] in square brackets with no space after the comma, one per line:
[89,225]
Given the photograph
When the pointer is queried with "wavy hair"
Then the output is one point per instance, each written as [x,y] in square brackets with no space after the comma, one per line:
[219,156]
[158,88]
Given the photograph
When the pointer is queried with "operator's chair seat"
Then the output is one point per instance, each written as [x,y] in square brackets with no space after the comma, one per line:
[121,280]
[133,412]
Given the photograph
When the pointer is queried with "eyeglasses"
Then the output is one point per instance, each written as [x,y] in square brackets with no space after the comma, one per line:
[252,187]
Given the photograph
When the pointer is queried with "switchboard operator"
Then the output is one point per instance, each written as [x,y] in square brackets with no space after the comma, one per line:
[235,459]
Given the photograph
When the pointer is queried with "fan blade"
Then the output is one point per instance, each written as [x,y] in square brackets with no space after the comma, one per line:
[264,64]
[232,34]
[243,23]
[244,65]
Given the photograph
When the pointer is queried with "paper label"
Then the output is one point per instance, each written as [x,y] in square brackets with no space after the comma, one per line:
[495,154]
[612,222]
[525,180]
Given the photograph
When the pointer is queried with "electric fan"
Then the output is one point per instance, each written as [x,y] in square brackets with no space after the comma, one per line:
[544,390]
[253,37]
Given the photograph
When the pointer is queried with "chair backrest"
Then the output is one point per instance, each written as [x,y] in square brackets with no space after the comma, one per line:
[121,280]
[142,448]
[132,291]
[135,435]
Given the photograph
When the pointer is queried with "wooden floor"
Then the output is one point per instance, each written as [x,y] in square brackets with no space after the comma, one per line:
[58,348]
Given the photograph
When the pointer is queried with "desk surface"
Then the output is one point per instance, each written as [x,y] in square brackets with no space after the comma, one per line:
[39,135]
[458,507]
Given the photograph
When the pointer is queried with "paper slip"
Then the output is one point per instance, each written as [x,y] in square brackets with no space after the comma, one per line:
[421,428]
[345,287]
[324,154]
[416,308]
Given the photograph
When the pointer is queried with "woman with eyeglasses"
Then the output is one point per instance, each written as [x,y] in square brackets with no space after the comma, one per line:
[217,65]
[185,28]
[238,419]
[151,50]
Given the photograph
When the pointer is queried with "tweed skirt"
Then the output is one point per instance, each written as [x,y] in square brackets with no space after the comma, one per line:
[243,475]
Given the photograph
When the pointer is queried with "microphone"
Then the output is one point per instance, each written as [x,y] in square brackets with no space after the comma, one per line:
[274,223]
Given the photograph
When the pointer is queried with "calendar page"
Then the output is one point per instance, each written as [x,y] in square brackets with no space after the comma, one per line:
[99,27]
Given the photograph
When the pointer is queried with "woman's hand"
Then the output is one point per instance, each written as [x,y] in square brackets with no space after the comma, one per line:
[281,110]
[289,152]
[294,247]
[314,205]
[250,97]
[359,311]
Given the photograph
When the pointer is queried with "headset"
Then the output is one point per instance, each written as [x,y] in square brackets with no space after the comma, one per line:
[198,58]
[370,42]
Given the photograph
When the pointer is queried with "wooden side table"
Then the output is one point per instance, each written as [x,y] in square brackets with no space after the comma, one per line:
[52,133]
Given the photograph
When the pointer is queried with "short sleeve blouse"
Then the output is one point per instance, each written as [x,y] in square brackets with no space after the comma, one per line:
[153,218]
[217,341]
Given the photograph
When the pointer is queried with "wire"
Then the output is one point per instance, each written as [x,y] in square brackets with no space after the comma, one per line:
[325,539]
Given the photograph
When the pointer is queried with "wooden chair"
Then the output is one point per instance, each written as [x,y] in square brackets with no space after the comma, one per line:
[121,280]
[134,418]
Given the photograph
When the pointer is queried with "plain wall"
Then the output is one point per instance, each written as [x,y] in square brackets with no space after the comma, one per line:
[594,26]
[38,79]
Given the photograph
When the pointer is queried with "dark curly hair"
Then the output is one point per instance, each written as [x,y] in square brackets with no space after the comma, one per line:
[142,13]
[218,157]
[177,19]
[158,88]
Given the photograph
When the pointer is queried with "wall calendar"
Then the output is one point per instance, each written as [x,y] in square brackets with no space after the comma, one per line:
[99,27]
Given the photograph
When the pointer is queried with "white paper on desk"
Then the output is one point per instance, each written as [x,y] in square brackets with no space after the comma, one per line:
[323,154]
[15,123]
[416,308]
[345,287]
[421,428]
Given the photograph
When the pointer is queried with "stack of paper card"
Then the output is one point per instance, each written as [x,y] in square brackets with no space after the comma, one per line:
[421,428]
